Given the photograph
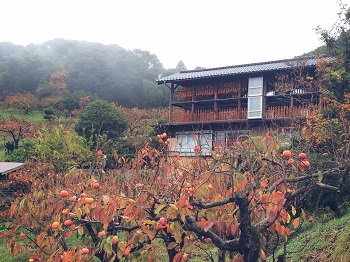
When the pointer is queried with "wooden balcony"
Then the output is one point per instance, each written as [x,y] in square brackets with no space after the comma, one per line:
[288,112]
[183,116]
[235,114]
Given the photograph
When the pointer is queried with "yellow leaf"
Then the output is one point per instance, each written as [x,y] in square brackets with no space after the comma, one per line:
[78,213]
[159,208]
[294,211]
[80,231]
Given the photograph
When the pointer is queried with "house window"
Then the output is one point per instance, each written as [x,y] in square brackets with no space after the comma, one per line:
[186,141]
[287,134]
[255,92]
[229,139]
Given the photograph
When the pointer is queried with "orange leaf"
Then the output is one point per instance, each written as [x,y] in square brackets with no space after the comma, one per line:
[57,257]
[40,238]
[279,228]
[303,214]
[280,203]
[279,195]
[272,215]
[177,257]
[128,210]
[264,182]
[67,256]
[265,198]
[284,215]
[233,229]
[39,257]
[296,222]
[287,231]
[182,202]
[208,225]
[202,222]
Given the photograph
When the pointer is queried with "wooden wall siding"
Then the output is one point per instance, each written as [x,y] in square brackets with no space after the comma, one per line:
[232,114]
[207,91]
[181,116]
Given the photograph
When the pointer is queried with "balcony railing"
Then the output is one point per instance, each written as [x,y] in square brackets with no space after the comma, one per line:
[232,114]
[182,116]
[287,111]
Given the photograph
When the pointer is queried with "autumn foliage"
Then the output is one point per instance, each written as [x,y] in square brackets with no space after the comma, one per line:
[188,203]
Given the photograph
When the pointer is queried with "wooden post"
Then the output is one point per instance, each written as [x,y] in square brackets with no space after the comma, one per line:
[193,99]
[291,105]
[172,89]
[240,115]
[263,106]
[216,117]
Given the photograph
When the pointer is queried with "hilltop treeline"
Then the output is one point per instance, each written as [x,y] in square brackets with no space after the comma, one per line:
[109,72]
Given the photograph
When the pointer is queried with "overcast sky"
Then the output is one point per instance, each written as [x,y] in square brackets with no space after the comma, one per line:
[203,33]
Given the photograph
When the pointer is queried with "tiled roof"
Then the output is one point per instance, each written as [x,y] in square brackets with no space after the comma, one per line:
[240,69]
[7,167]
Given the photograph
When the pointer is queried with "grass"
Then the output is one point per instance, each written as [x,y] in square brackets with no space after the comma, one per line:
[34,116]
[325,239]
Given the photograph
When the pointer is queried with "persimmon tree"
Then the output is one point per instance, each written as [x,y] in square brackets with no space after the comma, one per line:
[52,95]
[234,200]
[16,128]
[140,124]
[25,102]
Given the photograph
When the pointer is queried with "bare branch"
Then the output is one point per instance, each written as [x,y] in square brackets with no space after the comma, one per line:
[230,245]
[212,204]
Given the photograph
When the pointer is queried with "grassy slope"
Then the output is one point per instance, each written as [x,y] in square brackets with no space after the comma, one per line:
[31,116]
[325,239]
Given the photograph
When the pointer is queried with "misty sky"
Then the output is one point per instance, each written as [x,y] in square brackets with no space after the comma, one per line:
[200,33]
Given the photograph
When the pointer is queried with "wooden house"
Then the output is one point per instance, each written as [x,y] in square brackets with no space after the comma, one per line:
[219,106]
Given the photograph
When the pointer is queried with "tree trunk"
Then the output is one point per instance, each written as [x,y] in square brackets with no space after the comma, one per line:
[16,143]
[253,250]
[221,255]
[171,254]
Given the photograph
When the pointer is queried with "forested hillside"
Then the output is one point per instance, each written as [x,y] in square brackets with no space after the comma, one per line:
[107,71]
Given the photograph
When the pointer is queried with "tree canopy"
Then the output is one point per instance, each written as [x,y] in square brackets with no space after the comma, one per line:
[101,118]
[110,72]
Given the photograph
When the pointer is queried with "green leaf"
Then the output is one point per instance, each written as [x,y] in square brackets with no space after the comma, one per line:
[320,176]
[108,248]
